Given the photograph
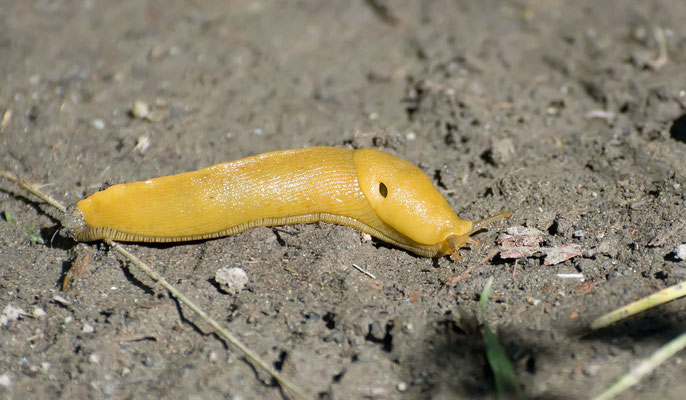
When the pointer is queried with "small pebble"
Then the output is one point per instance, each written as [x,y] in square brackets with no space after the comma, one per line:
[98,124]
[5,380]
[94,359]
[88,328]
[142,144]
[402,386]
[12,312]
[108,390]
[579,233]
[680,252]
[140,109]
[231,280]
[38,312]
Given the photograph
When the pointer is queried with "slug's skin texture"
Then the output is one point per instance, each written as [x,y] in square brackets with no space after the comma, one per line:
[367,189]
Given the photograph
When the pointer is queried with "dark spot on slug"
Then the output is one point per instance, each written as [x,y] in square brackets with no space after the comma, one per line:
[383,190]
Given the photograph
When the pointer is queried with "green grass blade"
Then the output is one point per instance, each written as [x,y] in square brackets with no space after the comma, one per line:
[506,384]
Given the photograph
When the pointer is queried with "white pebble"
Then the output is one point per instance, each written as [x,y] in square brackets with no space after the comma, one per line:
[411,136]
[231,280]
[402,386]
[680,252]
[88,328]
[5,380]
[98,124]
[39,312]
[142,144]
[140,109]
[94,359]
[10,313]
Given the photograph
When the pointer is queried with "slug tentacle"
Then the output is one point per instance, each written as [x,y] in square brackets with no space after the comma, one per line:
[456,242]
[488,220]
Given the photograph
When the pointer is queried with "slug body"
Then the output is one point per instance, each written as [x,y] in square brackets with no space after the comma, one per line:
[367,189]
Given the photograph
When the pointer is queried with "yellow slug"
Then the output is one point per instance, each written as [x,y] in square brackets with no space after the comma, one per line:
[367,189]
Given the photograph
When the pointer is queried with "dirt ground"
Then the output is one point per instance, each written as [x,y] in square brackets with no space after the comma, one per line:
[560,111]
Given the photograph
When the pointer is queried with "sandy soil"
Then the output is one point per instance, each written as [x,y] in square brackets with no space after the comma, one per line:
[555,110]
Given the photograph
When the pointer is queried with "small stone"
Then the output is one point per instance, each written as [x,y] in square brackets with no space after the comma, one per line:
[579,233]
[94,358]
[503,151]
[88,328]
[39,312]
[591,370]
[680,252]
[9,314]
[402,386]
[231,280]
[108,390]
[142,144]
[12,312]
[5,380]
[140,109]
[98,124]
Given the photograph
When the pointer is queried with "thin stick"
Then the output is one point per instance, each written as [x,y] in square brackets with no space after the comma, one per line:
[644,368]
[469,269]
[251,355]
[285,383]
[655,299]
[34,190]
[369,274]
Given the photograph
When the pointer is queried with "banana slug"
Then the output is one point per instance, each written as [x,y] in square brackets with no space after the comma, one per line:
[366,189]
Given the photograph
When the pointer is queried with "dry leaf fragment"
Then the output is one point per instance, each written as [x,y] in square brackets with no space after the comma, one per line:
[521,242]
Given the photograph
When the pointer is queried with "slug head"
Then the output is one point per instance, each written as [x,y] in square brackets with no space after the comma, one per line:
[403,197]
